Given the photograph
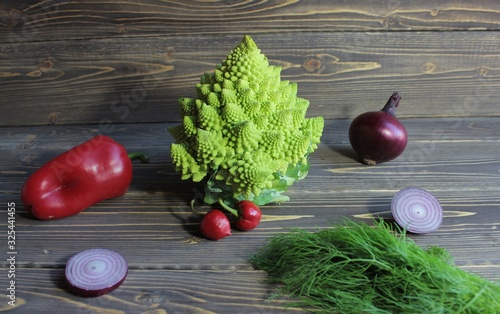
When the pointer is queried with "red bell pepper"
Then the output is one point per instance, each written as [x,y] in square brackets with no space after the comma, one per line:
[93,171]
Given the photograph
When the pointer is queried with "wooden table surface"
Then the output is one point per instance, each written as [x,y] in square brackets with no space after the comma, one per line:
[173,270]
[70,69]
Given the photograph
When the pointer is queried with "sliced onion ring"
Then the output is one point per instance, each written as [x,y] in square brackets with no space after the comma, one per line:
[416,210]
[95,272]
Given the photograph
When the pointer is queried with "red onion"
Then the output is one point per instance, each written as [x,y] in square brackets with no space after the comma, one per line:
[95,272]
[417,210]
[378,136]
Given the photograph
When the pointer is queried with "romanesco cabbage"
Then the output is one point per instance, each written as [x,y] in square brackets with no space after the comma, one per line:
[245,135]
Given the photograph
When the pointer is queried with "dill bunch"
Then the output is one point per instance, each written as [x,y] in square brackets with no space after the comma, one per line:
[357,268]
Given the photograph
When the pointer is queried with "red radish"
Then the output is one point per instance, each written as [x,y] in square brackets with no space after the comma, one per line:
[215,225]
[95,272]
[378,136]
[248,214]
[417,210]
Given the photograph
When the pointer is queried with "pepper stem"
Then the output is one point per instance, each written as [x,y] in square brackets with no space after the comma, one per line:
[392,104]
[137,155]
[229,209]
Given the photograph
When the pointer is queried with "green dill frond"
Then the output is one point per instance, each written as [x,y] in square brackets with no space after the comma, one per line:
[358,268]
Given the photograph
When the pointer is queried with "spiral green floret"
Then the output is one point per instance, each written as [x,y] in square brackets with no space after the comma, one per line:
[245,136]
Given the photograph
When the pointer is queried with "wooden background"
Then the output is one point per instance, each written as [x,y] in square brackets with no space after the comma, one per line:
[72,62]
[70,69]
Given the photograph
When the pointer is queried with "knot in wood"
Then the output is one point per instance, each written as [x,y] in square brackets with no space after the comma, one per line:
[429,67]
[45,65]
[53,118]
[391,21]
[482,72]
[12,18]
[313,64]
[121,29]
[27,159]
[170,54]
[150,298]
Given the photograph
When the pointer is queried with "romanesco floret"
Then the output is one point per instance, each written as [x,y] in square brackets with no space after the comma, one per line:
[245,135]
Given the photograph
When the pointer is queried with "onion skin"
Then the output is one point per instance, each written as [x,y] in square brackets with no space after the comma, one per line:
[378,136]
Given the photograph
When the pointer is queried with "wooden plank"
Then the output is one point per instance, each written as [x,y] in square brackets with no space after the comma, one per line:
[36,20]
[136,80]
[148,291]
[153,226]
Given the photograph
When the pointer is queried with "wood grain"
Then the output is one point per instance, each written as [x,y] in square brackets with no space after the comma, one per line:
[137,80]
[73,69]
[154,217]
[44,290]
[35,20]
[172,269]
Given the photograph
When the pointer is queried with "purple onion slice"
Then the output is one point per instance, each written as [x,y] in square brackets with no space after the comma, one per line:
[95,272]
[417,210]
